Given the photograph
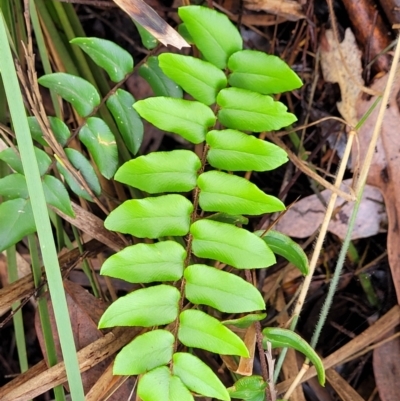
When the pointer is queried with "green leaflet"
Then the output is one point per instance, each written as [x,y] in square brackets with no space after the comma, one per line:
[128,121]
[202,80]
[14,186]
[250,388]
[56,195]
[107,55]
[98,138]
[59,128]
[145,263]
[159,82]
[221,290]
[145,352]
[152,217]
[229,244]
[174,171]
[260,72]
[222,192]
[16,221]
[212,32]
[85,168]
[160,385]
[198,377]
[284,246]
[145,307]
[249,111]
[148,40]
[245,321]
[199,330]
[186,118]
[286,338]
[13,159]
[235,151]
[75,90]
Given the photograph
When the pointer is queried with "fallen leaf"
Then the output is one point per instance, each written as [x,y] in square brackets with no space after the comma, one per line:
[306,215]
[341,63]
[288,9]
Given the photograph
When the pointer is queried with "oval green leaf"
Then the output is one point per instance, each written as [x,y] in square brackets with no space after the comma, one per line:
[56,195]
[159,82]
[187,118]
[100,141]
[59,128]
[16,221]
[250,388]
[198,377]
[229,244]
[145,263]
[145,352]
[14,186]
[75,90]
[107,55]
[249,111]
[160,385]
[146,307]
[174,171]
[235,219]
[85,168]
[223,291]
[245,321]
[222,192]
[286,338]
[199,330]
[148,40]
[260,72]
[152,217]
[235,151]
[128,121]
[212,32]
[284,246]
[202,80]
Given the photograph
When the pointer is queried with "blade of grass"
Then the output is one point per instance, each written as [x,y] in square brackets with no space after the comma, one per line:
[42,221]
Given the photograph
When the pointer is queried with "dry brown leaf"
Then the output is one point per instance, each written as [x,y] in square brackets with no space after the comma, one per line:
[385,167]
[288,9]
[305,216]
[348,76]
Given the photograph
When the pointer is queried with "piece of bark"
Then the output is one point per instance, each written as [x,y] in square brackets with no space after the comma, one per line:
[370,30]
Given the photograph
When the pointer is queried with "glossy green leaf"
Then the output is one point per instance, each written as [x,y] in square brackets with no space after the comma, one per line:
[14,186]
[56,195]
[284,246]
[250,388]
[212,32]
[85,168]
[235,151]
[229,244]
[72,182]
[148,40]
[75,90]
[152,217]
[245,321]
[100,141]
[146,307]
[59,128]
[145,263]
[128,121]
[145,352]
[199,330]
[260,72]
[236,219]
[198,377]
[222,192]
[159,82]
[286,338]
[186,118]
[202,80]
[16,221]
[249,111]
[185,33]
[13,159]
[107,55]
[174,171]
[160,385]
[223,291]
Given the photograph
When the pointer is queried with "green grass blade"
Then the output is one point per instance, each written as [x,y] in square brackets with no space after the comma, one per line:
[42,220]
